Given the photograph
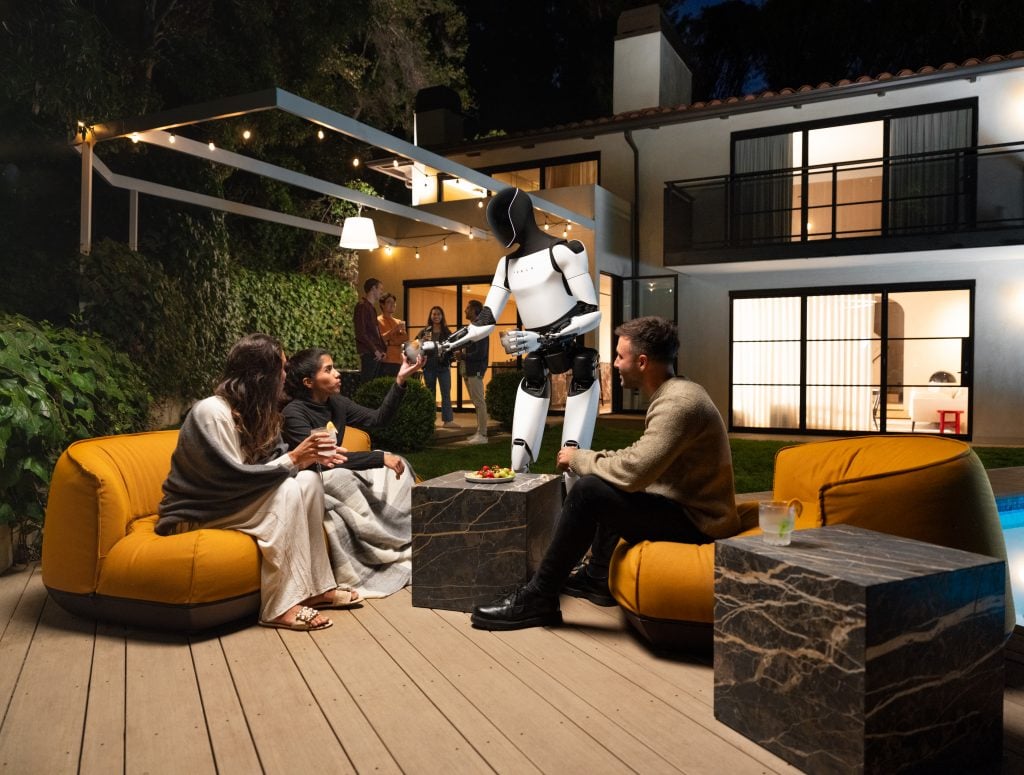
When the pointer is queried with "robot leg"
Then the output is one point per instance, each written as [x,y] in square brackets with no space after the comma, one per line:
[531,410]
[581,406]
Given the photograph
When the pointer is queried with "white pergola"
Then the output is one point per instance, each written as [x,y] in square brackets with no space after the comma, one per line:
[396,224]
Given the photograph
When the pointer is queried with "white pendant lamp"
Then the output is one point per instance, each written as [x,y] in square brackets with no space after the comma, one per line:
[357,233]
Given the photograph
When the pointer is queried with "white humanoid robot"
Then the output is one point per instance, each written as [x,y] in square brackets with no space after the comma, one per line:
[550,279]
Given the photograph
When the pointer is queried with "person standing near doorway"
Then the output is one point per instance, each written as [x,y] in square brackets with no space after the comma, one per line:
[472,364]
[369,343]
[392,330]
[438,370]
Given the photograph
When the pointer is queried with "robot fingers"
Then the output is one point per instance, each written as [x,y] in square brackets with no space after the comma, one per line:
[518,342]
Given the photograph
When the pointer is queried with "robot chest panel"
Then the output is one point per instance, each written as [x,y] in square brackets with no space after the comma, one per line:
[538,289]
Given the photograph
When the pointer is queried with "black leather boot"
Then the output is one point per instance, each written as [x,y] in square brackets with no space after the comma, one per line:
[520,608]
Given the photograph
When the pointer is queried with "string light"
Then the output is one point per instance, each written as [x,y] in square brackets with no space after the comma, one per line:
[171,139]
[355,161]
[135,137]
[211,146]
[417,253]
[319,134]
[444,245]
[480,203]
[547,226]
[387,250]
[246,134]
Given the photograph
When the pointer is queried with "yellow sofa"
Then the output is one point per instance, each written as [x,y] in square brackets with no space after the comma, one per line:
[928,488]
[102,560]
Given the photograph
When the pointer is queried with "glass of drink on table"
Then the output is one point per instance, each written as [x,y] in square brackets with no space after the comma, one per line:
[776,519]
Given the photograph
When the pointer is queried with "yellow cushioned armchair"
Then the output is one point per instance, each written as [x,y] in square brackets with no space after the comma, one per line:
[927,488]
[102,560]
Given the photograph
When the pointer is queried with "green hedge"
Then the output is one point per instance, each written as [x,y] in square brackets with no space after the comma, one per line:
[179,324]
[56,386]
[412,427]
[501,395]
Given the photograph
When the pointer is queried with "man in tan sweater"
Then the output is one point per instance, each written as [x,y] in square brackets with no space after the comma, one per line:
[674,483]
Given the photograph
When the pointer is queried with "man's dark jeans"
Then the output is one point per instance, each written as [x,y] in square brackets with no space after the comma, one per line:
[595,514]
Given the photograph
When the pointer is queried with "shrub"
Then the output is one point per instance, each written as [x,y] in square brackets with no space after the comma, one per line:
[501,395]
[56,386]
[412,427]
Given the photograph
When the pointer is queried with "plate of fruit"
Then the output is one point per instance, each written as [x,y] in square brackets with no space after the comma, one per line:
[490,474]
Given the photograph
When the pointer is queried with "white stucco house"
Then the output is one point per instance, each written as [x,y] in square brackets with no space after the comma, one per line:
[841,258]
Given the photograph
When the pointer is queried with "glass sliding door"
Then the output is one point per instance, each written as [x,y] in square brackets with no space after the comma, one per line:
[873,359]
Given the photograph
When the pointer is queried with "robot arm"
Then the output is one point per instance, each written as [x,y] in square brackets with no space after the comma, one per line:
[484,324]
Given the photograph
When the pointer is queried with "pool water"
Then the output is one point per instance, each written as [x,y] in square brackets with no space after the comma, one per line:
[1011,515]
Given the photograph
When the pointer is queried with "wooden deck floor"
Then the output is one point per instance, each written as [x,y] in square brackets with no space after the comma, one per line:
[389,688]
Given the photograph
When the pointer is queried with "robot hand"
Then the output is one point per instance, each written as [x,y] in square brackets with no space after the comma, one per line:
[518,342]
[439,349]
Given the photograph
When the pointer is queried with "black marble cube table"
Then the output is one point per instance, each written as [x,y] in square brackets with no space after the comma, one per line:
[855,651]
[471,541]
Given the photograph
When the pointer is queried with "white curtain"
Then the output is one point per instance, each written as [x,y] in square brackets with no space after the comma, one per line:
[766,362]
[839,335]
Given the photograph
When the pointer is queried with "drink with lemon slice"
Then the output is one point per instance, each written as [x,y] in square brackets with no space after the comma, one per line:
[328,442]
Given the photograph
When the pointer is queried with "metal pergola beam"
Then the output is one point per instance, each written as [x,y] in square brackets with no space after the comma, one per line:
[153,128]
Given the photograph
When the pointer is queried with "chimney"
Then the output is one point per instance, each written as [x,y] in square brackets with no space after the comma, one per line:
[438,119]
[649,68]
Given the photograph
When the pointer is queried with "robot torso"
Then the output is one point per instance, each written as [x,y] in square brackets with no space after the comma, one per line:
[540,285]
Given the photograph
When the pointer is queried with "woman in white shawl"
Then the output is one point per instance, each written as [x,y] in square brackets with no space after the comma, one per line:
[231,470]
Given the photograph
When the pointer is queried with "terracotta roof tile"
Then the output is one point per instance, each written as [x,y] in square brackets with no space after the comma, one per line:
[768,94]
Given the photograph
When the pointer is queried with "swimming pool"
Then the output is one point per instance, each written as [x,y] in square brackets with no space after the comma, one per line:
[1011,516]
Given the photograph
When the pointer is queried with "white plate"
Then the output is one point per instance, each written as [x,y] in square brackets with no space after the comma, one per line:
[485,480]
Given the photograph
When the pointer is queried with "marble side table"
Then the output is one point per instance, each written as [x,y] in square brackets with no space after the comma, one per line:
[852,651]
[472,541]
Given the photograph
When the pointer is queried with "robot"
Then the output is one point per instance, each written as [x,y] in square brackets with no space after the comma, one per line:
[557,302]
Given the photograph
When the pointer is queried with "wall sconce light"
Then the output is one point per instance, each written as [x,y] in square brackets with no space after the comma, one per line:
[357,233]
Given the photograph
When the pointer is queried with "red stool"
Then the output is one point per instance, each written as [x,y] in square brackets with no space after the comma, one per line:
[954,420]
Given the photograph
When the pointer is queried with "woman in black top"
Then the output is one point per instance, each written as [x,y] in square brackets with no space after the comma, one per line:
[368,509]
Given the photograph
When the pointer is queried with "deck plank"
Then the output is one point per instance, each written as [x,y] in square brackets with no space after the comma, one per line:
[287,725]
[103,740]
[684,683]
[42,730]
[22,596]
[654,723]
[435,682]
[323,675]
[526,704]
[417,734]
[164,718]
[233,748]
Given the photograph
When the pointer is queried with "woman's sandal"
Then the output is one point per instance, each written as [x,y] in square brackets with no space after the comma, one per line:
[304,619]
[354,599]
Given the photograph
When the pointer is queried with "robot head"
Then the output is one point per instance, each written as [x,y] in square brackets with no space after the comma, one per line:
[510,215]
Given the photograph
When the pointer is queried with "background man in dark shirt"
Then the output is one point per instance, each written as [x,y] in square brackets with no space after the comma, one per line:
[369,343]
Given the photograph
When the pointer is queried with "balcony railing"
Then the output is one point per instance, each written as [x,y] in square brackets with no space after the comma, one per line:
[976,190]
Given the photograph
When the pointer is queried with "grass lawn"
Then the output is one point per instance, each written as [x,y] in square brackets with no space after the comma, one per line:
[753,460]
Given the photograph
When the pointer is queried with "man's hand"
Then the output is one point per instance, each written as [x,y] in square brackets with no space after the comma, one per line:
[565,458]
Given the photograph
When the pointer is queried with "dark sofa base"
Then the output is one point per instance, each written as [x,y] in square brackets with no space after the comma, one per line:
[158,616]
[672,635]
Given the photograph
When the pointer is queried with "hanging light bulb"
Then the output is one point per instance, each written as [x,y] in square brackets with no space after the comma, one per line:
[444,244]
[417,254]
[387,250]
[568,226]
[355,162]
[211,146]
[246,134]
[547,226]
[135,137]
[319,134]
[480,203]
[471,235]
[171,139]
